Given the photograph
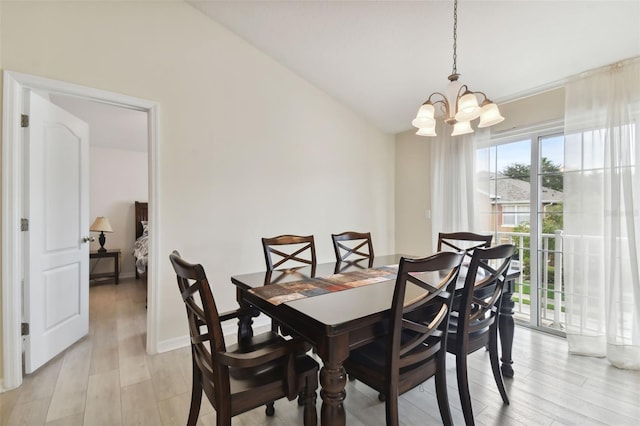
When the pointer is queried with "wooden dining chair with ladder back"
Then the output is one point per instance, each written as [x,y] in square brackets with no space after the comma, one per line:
[283,255]
[474,320]
[257,370]
[414,349]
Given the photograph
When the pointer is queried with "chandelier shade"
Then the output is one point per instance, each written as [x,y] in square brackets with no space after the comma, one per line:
[490,115]
[460,105]
[461,128]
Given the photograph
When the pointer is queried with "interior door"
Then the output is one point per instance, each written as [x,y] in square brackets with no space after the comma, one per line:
[56,290]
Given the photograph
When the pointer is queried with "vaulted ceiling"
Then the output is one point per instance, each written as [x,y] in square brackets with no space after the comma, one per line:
[383,58]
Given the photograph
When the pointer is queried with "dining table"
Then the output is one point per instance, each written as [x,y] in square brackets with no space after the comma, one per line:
[337,307]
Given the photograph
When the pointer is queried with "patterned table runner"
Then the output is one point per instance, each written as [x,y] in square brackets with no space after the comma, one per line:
[285,292]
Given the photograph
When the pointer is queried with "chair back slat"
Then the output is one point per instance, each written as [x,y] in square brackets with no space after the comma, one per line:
[289,250]
[463,241]
[357,245]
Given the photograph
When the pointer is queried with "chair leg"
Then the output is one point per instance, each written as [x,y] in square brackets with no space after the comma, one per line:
[441,392]
[270,409]
[495,364]
[196,397]
[463,388]
[391,408]
[310,414]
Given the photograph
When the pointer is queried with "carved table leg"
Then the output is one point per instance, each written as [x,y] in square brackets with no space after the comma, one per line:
[333,379]
[245,322]
[506,327]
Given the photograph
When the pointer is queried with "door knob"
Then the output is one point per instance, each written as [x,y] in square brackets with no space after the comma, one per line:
[87,239]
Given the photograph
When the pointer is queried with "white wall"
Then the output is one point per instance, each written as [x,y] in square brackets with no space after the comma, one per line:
[246,148]
[117,179]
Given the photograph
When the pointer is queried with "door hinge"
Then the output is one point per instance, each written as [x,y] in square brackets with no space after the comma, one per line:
[24,329]
[24,224]
[24,120]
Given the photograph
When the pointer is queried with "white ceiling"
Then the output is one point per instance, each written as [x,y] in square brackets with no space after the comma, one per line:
[383,58]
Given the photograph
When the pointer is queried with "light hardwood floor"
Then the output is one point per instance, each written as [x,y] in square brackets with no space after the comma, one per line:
[108,379]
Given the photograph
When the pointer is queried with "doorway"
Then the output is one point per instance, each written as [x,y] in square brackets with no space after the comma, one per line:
[17,86]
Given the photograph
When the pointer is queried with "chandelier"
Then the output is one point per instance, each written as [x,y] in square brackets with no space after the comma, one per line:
[459,105]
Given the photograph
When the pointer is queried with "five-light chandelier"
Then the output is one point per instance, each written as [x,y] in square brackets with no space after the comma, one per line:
[459,104]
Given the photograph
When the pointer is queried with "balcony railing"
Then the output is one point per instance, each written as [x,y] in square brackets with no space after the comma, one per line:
[550,288]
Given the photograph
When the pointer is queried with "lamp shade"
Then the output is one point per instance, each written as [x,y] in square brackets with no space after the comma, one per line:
[425,116]
[422,122]
[490,115]
[468,108]
[427,131]
[101,224]
[462,128]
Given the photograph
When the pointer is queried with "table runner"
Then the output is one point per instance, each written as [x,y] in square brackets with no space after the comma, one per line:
[308,287]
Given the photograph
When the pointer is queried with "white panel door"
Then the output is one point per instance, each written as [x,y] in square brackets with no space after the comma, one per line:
[56,299]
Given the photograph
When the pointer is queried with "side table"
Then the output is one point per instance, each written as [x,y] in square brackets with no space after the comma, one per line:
[115,254]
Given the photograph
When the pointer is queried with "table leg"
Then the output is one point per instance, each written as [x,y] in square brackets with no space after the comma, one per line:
[506,328]
[245,322]
[333,379]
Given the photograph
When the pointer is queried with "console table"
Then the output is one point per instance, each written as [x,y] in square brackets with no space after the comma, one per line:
[115,254]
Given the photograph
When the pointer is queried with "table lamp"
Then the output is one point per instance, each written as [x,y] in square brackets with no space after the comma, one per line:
[102,225]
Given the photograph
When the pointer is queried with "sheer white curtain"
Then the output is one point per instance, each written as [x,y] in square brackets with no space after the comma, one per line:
[453,180]
[602,213]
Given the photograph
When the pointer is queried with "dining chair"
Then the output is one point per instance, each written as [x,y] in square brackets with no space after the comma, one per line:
[474,320]
[463,241]
[414,349]
[257,370]
[283,255]
[285,250]
[355,244]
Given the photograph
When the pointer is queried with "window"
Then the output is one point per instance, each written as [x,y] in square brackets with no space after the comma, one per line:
[514,215]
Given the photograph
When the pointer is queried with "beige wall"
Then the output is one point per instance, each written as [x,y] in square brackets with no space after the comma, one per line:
[413,194]
[246,148]
[540,108]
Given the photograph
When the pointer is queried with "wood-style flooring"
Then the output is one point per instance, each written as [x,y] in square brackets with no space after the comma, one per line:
[108,379]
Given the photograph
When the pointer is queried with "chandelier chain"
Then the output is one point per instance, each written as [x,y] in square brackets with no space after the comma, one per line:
[455,36]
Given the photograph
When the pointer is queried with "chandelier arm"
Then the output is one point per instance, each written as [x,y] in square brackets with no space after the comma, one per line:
[485,98]
[463,90]
[442,101]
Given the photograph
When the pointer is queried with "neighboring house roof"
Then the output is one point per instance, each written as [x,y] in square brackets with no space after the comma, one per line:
[515,191]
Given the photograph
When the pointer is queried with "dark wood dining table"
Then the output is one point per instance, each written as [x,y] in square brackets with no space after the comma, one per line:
[336,322]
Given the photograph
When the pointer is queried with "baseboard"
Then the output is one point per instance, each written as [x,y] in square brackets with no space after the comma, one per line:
[173,344]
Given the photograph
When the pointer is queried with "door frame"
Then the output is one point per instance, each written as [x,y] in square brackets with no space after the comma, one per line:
[15,86]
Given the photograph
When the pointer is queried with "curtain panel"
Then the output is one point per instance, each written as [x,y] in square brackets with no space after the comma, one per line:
[602,213]
[453,180]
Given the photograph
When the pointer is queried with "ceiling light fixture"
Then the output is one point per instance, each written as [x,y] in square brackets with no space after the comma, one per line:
[459,104]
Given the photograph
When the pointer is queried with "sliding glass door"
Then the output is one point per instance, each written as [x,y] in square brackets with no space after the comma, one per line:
[519,200]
